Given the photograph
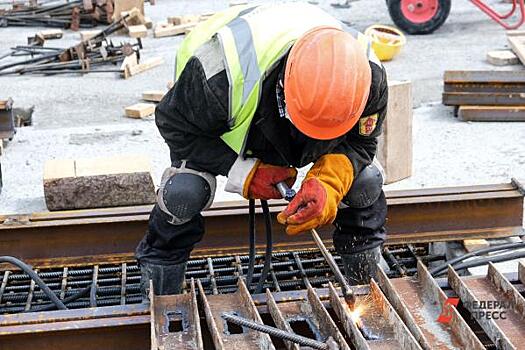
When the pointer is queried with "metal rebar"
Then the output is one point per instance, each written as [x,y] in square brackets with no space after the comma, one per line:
[275,332]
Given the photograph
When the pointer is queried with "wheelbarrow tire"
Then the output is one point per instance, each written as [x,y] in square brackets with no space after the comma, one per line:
[427,26]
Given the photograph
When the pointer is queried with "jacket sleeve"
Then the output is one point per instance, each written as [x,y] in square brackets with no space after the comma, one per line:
[193,115]
[360,143]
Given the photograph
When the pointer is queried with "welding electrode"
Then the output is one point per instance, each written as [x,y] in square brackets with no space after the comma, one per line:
[348,294]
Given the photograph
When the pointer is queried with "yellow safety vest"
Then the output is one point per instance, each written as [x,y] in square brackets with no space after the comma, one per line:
[253,40]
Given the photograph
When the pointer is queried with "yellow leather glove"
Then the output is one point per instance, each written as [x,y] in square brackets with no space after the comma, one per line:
[321,191]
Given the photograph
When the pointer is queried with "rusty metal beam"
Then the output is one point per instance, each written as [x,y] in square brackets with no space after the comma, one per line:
[239,303]
[506,333]
[112,328]
[111,234]
[419,303]
[175,321]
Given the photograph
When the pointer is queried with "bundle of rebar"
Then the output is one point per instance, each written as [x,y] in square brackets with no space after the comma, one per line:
[60,14]
[86,57]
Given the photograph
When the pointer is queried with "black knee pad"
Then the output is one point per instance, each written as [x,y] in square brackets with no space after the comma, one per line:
[366,188]
[184,193]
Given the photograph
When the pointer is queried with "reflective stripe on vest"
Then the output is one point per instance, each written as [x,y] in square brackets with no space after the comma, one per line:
[253,41]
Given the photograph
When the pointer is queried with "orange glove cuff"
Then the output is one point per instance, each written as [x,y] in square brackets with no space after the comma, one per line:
[336,173]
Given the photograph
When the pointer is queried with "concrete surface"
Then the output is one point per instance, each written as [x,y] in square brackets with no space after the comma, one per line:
[83,116]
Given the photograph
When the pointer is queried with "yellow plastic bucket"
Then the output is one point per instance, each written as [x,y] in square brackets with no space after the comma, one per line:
[386,41]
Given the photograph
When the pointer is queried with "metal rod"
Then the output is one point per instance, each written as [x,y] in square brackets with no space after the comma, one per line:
[275,332]
[348,294]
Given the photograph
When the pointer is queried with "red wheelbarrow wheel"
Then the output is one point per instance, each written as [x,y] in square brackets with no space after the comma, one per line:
[419,16]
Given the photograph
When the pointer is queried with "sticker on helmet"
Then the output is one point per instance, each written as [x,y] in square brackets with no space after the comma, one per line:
[367,125]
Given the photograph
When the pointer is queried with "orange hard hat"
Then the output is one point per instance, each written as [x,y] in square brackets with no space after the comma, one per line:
[326,82]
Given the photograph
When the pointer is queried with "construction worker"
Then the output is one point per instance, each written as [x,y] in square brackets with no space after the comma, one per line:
[260,91]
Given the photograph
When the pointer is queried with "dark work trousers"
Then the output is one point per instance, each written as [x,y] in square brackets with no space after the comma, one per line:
[355,230]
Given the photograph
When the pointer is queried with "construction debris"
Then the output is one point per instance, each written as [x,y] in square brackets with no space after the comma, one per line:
[502,58]
[138,31]
[165,29]
[486,95]
[153,95]
[88,34]
[140,110]
[62,14]
[7,125]
[88,56]
[98,182]
[123,6]
[516,40]
[40,37]
[131,67]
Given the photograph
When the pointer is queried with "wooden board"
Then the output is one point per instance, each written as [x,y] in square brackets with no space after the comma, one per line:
[484,76]
[475,244]
[131,69]
[126,5]
[88,34]
[502,58]
[164,30]
[395,143]
[483,99]
[98,182]
[138,31]
[140,110]
[148,22]
[51,34]
[517,44]
[153,95]
[492,113]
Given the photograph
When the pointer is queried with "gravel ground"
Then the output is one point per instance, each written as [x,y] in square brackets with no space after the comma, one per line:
[83,116]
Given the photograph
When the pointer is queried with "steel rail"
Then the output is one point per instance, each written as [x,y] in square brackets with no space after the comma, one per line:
[111,234]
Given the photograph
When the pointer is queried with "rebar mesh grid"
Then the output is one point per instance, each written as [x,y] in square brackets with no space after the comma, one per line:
[119,284]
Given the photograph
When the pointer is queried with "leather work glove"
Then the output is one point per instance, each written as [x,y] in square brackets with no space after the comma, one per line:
[321,191]
[261,181]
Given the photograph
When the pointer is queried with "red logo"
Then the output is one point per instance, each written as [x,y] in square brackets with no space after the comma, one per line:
[446,312]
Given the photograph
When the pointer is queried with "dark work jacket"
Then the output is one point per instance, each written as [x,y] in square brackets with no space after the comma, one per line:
[194,114]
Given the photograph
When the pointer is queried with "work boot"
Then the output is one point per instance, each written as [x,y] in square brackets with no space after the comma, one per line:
[360,267]
[167,279]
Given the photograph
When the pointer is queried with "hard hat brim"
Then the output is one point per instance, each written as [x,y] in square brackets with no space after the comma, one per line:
[316,132]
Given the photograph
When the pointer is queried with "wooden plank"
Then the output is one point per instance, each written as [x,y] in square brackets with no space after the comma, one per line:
[163,30]
[484,87]
[395,143]
[126,5]
[153,95]
[515,32]
[475,244]
[138,31]
[51,34]
[88,34]
[502,58]
[483,99]
[98,182]
[134,69]
[484,76]
[148,22]
[492,113]
[517,44]
[140,110]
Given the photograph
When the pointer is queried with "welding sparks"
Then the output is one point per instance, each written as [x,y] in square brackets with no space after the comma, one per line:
[356,313]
